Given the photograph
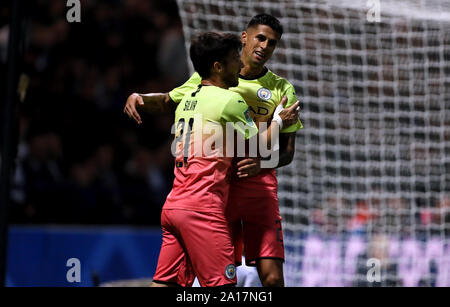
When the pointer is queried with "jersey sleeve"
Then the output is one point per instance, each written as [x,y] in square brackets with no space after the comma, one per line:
[190,85]
[292,98]
[237,113]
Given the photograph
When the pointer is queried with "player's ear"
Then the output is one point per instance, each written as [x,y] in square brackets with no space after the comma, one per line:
[243,38]
[217,67]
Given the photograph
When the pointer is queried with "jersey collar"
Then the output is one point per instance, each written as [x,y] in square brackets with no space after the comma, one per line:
[265,70]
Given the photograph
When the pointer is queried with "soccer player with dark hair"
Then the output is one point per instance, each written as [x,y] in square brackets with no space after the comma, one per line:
[253,203]
[196,235]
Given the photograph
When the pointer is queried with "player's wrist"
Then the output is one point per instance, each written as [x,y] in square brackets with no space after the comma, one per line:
[277,119]
[276,116]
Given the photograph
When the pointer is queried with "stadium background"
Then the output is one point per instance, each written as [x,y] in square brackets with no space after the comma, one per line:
[370,176]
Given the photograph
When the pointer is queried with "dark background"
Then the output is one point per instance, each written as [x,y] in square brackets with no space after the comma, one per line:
[80,159]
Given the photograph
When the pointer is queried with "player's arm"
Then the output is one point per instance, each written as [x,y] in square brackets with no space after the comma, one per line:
[287,135]
[151,103]
[236,111]
[158,102]
[287,148]
[250,167]
[282,117]
[291,99]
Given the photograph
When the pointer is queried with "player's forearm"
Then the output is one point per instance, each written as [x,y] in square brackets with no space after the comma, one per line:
[280,147]
[156,103]
[270,136]
[287,149]
[285,159]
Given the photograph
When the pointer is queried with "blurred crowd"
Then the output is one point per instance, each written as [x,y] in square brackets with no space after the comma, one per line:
[381,214]
[80,159]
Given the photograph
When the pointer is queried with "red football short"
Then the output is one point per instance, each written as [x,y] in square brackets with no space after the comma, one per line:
[195,244]
[260,231]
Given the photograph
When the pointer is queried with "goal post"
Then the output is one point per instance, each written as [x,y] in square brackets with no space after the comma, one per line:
[366,201]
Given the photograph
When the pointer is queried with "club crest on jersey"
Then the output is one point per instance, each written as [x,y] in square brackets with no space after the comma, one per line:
[230,271]
[264,93]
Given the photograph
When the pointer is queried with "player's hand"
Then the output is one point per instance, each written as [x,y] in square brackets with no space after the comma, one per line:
[286,117]
[130,107]
[249,167]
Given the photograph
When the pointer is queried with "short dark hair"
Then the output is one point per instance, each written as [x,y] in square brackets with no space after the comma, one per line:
[209,47]
[267,20]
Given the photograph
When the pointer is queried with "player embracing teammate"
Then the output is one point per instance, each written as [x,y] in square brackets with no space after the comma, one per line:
[252,211]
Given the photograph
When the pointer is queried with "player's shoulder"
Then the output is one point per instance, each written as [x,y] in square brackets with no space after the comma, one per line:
[276,81]
[233,101]
[224,94]
[196,76]
[236,98]
[221,96]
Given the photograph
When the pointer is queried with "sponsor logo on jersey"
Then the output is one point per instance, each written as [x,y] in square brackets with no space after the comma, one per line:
[259,111]
[264,93]
[230,271]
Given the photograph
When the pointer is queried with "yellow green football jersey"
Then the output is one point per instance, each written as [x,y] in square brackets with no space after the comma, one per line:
[202,165]
[262,95]
[213,108]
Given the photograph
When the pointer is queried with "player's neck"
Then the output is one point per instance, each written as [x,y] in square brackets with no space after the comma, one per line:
[250,72]
[214,81]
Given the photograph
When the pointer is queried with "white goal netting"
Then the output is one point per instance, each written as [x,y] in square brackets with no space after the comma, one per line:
[366,201]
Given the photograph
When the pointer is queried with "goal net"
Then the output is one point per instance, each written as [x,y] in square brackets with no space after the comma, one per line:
[366,201]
